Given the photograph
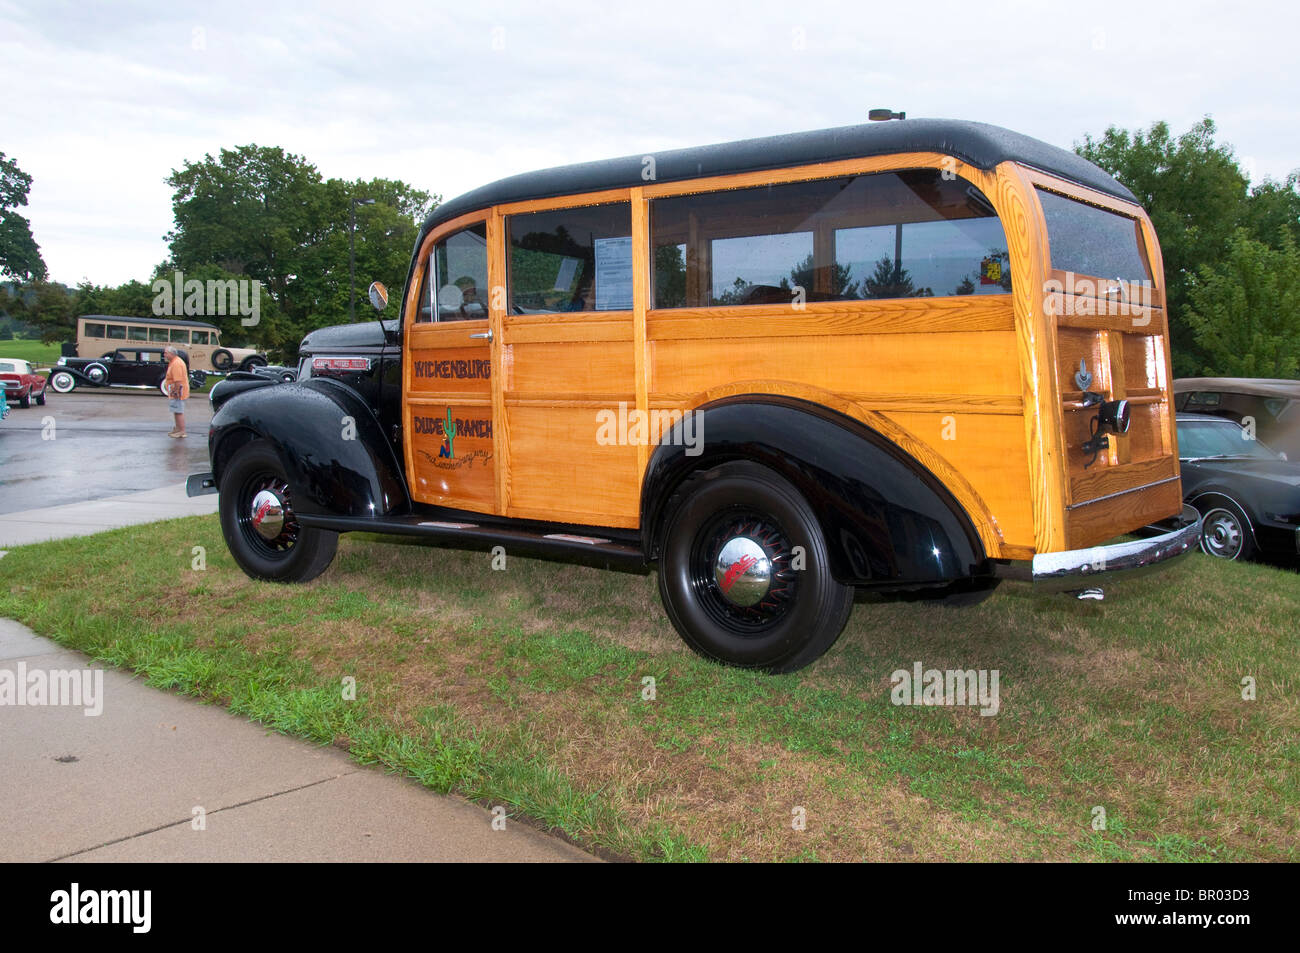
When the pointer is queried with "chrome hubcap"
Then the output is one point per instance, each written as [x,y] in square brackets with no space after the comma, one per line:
[1222,535]
[743,571]
[268,515]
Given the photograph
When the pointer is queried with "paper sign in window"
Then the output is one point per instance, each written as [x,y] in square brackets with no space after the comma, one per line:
[614,274]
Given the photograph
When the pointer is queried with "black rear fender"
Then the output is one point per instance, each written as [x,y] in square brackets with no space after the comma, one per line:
[888,521]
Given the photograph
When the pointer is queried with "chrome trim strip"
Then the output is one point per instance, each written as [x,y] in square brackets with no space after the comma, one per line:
[1111,496]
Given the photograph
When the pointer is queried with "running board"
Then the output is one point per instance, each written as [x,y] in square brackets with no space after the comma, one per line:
[591,549]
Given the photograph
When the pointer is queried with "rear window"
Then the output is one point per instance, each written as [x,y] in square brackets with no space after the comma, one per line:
[1088,240]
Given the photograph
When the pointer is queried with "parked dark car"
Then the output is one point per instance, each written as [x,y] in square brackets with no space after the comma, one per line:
[1272,405]
[22,384]
[1248,494]
[140,368]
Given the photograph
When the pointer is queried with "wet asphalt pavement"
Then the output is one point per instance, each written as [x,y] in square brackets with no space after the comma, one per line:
[104,443]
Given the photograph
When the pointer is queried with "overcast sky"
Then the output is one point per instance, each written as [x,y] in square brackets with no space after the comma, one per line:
[102,101]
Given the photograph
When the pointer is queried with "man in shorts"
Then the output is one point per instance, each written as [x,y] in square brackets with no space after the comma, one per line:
[178,388]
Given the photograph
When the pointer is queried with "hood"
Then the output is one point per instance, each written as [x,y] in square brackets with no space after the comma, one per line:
[1283,472]
[361,334]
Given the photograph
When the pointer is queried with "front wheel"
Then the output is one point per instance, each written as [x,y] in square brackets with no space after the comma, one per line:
[744,573]
[1226,533]
[62,382]
[259,523]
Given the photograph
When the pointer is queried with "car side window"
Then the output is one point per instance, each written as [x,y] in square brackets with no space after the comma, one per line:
[907,234]
[571,259]
[459,289]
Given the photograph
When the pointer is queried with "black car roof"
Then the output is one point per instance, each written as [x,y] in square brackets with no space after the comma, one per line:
[167,321]
[975,143]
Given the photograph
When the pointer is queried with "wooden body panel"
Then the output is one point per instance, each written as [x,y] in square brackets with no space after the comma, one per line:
[977,388]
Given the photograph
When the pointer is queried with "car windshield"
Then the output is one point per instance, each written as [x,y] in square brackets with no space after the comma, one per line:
[1223,439]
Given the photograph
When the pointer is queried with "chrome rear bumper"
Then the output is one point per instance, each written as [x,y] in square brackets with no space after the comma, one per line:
[1079,568]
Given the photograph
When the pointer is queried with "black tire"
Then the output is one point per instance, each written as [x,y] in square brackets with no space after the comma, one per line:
[800,612]
[96,373]
[62,382]
[222,359]
[40,398]
[1226,532]
[252,361]
[298,553]
[25,401]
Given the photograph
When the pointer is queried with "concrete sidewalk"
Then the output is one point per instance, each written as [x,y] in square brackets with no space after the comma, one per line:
[95,516]
[127,784]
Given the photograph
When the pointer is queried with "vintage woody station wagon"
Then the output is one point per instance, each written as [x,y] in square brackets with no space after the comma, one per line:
[916,357]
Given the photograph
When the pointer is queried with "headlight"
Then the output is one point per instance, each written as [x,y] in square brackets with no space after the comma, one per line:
[62,361]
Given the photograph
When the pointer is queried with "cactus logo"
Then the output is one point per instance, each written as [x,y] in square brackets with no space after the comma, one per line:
[448,448]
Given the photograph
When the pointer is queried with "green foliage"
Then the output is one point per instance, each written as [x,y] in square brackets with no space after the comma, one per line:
[1245,310]
[262,213]
[1197,196]
[892,281]
[20,256]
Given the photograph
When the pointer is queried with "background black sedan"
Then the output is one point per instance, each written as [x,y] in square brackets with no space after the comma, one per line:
[141,368]
[1247,493]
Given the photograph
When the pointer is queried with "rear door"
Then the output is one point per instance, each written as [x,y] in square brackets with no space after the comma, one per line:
[1106,292]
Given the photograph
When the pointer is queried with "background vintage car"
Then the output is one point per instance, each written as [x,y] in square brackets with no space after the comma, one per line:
[22,384]
[1273,405]
[1247,493]
[141,368]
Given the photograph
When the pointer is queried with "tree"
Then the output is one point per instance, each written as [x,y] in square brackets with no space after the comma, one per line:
[1196,196]
[1272,207]
[891,280]
[260,213]
[803,275]
[20,256]
[1245,310]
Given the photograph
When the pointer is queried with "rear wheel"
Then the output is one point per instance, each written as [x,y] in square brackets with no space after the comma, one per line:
[744,573]
[40,398]
[25,401]
[259,523]
[62,382]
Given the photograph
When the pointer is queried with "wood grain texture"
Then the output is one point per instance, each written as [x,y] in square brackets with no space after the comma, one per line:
[1104,520]
[640,305]
[981,516]
[1035,346]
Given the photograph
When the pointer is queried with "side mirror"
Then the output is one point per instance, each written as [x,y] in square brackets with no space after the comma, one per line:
[378,295]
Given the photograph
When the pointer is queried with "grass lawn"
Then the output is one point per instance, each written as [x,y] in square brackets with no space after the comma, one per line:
[524,687]
[27,350]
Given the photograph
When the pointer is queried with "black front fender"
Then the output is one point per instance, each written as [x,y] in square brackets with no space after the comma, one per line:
[888,521]
[331,446]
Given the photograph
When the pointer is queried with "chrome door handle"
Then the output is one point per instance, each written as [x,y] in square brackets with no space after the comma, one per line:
[485,336]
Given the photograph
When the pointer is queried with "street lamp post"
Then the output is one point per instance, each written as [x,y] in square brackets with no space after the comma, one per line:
[352,256]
